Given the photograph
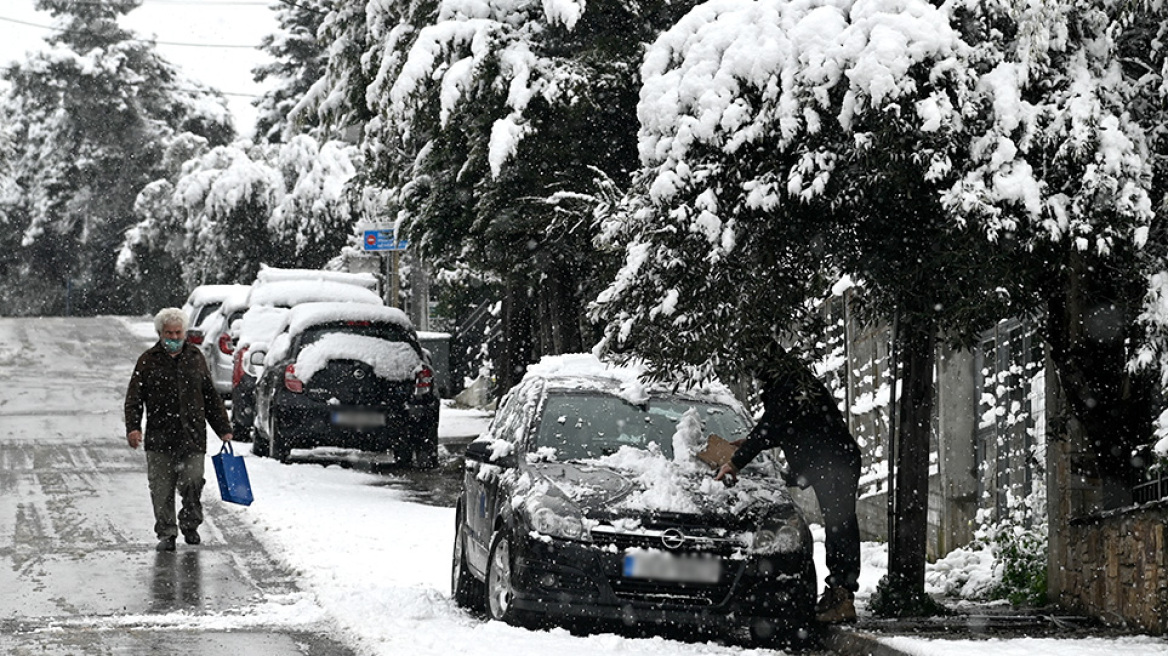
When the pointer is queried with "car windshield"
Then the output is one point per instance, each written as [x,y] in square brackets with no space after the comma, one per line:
[388,332]
[579,426]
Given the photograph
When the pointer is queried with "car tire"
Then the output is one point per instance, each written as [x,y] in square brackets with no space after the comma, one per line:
[279,447]
[500,591]
[426,456]
[466,590]
[403,454]
[259,446]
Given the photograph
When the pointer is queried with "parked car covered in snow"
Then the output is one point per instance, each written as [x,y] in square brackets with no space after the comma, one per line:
[217,342]
[201,303]
[267,304]
[584,501]
[347,375]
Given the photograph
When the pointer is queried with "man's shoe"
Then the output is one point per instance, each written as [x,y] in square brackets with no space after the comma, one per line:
[165,544]
[192,537]
[836,606]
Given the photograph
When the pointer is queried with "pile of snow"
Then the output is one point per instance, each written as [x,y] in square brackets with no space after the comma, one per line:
[287,293]
[390,360]
[259,325]
[307,315]
[269,274]
[584,371]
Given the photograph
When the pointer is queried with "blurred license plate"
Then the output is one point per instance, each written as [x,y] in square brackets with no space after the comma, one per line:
[358,419]
[668,567]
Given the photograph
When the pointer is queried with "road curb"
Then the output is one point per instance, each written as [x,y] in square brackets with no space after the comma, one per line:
[846,641]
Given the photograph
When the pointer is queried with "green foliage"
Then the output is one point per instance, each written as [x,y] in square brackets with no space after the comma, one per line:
[1019,540]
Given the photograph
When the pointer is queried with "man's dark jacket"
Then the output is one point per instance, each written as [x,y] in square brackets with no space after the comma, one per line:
[179,400]
[801,418]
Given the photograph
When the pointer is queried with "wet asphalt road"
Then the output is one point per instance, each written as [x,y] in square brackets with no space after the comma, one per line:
[78,570]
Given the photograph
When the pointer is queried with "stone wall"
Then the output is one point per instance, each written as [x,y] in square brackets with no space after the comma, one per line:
[1114,568]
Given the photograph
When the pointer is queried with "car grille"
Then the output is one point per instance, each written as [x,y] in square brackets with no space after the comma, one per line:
[660,593]
[680,540]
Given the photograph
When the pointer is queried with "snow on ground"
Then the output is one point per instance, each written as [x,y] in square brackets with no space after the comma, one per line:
[378,565]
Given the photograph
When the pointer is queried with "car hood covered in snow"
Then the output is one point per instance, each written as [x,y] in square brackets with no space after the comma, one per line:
[635,483]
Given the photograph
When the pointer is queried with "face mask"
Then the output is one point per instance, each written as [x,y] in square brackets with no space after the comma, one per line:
[172,345]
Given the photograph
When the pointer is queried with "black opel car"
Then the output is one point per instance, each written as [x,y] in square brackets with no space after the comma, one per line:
[583,501]
[347,375]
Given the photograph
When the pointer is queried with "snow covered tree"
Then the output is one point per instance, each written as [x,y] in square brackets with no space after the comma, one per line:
[492,126]
[299,59]
[91,117]
[229,209]
[965,161]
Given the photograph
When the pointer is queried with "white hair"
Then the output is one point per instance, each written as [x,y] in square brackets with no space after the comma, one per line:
[167,316]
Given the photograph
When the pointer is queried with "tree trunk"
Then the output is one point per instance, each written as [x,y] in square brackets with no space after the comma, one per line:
[902,593]
[517,348]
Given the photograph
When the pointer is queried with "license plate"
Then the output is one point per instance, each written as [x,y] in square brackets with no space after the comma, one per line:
[669,567]
[358,419]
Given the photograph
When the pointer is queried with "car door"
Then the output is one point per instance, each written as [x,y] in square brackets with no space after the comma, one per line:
[482,479]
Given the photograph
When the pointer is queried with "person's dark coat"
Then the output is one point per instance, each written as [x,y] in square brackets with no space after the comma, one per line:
[801,418]
[178,398]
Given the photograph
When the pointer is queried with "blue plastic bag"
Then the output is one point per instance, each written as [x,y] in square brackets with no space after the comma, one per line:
[234,486]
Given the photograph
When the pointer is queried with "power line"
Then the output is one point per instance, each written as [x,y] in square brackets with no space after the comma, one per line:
[161,43]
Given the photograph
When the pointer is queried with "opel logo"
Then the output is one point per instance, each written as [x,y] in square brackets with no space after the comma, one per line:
[359,374]
[672,539]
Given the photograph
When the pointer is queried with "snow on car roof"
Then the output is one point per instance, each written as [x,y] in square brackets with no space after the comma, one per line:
[390,360]
[287,293]
[269,274]
[260,324]
[204,294]
[585,371]
[313,314]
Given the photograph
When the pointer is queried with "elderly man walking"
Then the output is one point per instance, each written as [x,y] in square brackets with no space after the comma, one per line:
[172,386]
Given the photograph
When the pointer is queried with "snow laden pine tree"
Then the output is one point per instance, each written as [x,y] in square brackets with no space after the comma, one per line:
[963,162]
[492,125]
[229,209]
[90,119]
[298,61]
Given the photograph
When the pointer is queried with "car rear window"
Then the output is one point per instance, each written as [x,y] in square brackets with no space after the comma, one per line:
[205,312]
[388,332]
[580,426]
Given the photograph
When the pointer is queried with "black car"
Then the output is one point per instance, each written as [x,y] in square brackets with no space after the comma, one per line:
[583,502]
[347,375]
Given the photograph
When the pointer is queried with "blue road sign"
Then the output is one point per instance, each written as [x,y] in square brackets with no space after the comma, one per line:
[383,240]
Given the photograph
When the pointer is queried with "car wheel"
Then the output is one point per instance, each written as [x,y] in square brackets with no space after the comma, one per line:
[403,454]
[426,456]
[259,446]
[500,591]
[464,587]
[279,447]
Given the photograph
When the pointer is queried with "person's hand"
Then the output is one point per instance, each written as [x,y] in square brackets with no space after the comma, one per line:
[226,437]
[134,438]
[727,473]
[738,442]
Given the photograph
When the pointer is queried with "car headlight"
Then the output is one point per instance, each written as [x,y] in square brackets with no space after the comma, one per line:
[559,523]
[776,538]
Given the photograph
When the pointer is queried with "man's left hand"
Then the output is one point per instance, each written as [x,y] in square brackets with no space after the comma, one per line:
[226,437]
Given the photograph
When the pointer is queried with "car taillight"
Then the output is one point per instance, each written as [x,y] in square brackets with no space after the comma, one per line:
[423,381]
[226,347]
[291,382]
[237,366]
[195,337]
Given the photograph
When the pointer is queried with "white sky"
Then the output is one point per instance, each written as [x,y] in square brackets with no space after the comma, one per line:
[209,22]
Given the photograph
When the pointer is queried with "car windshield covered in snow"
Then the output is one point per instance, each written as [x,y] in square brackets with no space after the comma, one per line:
[579,426]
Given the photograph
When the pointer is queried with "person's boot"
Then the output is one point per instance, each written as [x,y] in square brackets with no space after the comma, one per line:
[165,544]
[192,537]
[836,606]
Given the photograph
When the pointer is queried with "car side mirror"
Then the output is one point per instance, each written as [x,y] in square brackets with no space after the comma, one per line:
[484,452]
[256,358]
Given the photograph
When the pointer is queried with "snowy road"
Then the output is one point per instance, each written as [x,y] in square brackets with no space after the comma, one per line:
[326,555]
[78,571]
